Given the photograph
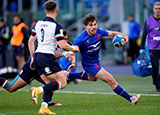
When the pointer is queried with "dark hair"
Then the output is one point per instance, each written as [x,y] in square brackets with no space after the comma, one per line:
[89,18]
[156,3]
[1,20]
[50,6]
[64,32]
[131,15]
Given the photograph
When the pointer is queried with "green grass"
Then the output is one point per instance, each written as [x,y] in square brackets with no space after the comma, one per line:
[103,102]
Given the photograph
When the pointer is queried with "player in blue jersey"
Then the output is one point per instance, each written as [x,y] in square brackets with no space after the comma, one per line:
[64,63]
[26,76]
[89,42]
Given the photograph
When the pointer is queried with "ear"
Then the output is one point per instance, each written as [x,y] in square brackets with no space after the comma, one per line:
[45,11]
[56,10]
[85,27]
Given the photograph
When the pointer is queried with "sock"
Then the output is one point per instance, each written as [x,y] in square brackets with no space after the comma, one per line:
[78,75]
[52,86]
[3,82]
[47,96]
[120,91]
[44,104]
[13,82]
[40,89]
[48,88]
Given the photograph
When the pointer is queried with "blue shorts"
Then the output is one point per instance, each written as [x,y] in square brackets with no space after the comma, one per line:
[27,74]
[46,64]
[92,69]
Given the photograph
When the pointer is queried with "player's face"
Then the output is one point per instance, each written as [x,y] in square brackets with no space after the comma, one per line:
[91,28]
[156,10]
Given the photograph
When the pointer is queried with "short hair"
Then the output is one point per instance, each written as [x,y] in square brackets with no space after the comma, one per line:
[156,3]
[50,6]
[131,15]
[89,18]
[64,32]
[1,20]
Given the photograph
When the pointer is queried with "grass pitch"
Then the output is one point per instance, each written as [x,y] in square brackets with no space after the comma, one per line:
[87,98]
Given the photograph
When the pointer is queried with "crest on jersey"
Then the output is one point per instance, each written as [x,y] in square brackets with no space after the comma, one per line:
[47,70]
[98,36]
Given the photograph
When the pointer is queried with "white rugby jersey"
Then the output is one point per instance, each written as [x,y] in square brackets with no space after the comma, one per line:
[47,32]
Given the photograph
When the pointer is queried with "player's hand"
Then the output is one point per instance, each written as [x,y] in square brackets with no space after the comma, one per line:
[31,64]
[72,66]
[75,48]
[126,39]
[68,56]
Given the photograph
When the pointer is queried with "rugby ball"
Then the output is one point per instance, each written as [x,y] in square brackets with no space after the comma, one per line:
[118,41]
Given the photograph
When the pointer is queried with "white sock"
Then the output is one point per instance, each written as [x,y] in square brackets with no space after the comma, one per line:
[40,89]
[44,104]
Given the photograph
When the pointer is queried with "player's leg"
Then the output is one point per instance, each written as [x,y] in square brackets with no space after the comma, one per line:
[17,83]
[108,78]
[58,81]
[155,66]
[50,103]
[81,75]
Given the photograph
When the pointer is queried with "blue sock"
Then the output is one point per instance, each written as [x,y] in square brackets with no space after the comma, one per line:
[3,82]
[13,82]
[78,75]
[120,91]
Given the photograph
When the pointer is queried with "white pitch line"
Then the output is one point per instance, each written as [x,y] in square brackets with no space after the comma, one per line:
[85,92]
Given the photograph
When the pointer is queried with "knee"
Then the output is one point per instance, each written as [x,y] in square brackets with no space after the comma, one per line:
[63,84]
[92,78]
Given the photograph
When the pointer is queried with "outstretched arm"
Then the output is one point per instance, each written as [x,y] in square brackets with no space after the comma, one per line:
[31,49]
[113,33]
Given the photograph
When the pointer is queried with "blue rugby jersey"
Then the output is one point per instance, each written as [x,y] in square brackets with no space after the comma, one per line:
[90,45]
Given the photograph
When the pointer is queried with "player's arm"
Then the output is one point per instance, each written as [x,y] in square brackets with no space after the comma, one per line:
[31,45]
[61,42]
[65,46]
[68,55]
[113,33]
[73,61]
[31,49]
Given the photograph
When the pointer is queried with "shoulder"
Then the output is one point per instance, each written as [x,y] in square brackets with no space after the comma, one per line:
[82,34]
[102,31]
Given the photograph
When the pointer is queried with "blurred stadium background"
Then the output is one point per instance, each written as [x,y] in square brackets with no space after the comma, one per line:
[88,97]
[111,14]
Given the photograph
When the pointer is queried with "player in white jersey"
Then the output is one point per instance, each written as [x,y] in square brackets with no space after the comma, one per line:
[48,33]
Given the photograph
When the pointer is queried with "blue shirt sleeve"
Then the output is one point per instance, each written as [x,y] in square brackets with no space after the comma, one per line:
[103,32]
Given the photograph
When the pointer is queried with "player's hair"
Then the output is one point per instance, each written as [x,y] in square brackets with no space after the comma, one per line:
[64,32]
[131,15]
[156,3]
[50,6]
[1,20]
[89,18]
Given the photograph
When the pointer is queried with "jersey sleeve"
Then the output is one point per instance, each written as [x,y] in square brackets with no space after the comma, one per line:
[103,32]
[59,32]
[33,33]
